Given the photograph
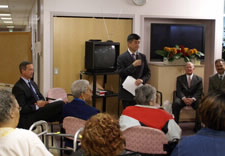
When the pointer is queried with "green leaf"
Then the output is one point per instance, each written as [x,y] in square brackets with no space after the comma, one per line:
[162,53]
[186,59]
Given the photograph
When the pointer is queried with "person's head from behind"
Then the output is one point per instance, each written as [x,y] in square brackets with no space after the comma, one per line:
[9,110]
[220,68]
[81,89]
[102,136]
[189,68]
[145,95]
[26,69]
[212,110]
[133,42]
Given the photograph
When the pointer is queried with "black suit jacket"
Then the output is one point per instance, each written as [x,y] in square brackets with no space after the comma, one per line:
[195,89]
[125,68]
[25,97]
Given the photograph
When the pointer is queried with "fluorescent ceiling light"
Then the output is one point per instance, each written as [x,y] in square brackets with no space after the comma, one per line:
[5,14]
[11,26]
[3,6]
[6,18]
[7,21]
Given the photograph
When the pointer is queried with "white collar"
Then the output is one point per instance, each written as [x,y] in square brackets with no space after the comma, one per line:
[131,52]
[191,76]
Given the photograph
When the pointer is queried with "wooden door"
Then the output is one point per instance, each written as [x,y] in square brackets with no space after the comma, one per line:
[15,48]
[70,35]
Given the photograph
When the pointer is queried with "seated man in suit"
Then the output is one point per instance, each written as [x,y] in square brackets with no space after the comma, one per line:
[189,90]
[217,81]
[34,107]
[132,63]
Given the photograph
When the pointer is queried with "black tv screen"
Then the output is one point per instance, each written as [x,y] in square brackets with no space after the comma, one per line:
[101,56]
[191,36]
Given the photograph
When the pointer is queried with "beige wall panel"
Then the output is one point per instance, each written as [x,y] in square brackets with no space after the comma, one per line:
[15,47]
[70,35]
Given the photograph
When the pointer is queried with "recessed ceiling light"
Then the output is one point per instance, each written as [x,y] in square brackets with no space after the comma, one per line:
[7,21]
[5,14]
[10,26]
[3,6]
[6,18]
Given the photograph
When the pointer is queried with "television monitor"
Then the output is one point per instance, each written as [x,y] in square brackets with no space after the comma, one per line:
[188,35]
[101,56]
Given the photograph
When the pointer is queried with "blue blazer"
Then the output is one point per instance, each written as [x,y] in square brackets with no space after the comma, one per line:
[80,109]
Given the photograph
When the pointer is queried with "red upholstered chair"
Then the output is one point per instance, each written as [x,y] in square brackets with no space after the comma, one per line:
[72,125]
[56,93]
[145,140]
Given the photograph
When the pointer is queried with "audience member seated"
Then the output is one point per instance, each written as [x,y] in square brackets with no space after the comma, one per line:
[34,107]
[102,136]
[15,141]
[78,107]
[145,113]
[209,141]
[188,93]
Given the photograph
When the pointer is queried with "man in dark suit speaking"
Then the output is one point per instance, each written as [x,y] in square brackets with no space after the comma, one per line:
[132,63]
[188,93]
[34,107]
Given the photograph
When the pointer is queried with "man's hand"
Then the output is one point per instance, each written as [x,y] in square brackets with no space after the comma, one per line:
[138,82]
[188,101]
[41,103]
[137,63]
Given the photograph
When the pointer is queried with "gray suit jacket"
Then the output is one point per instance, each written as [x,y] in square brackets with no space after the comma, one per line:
[215,83]
[125,68]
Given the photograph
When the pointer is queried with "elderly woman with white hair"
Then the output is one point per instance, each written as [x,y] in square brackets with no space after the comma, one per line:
[16,141]
[146,113]
[78,107]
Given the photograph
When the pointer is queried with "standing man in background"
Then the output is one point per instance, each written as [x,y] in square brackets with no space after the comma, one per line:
[132,63]
[33,104]
[217,81]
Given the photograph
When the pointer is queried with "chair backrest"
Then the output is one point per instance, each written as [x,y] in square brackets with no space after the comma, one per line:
[145,140]
[56,93]
[72,124]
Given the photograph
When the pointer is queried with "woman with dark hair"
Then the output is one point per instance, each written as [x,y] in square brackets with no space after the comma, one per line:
[209,141]
[146,113]
[102,136]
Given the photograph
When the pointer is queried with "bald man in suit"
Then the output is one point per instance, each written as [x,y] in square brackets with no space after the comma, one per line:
[189,90]
[217,81]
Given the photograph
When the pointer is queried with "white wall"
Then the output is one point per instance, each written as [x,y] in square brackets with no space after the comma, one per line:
[192,9]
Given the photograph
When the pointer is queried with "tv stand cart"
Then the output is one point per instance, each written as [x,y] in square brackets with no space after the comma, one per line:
[108,93]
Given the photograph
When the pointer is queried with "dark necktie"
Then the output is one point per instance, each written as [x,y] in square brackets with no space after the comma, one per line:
[189,81]
[33,92]
[134,57]
[221,77]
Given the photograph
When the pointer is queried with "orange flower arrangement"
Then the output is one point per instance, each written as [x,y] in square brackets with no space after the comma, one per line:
[177,52]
